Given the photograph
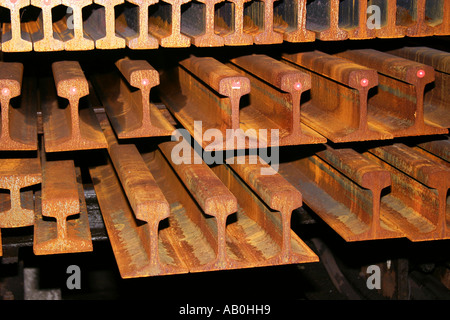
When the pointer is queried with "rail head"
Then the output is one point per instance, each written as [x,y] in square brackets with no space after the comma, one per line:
[414,164]
[281,75]
[438,59]
[335,68]
[274,190]
[139,73]
[70,80]
[208,190]
[392,66]
[356,167]
[145,197]
[19,172]
[11,74]
[218,76]
[59,189]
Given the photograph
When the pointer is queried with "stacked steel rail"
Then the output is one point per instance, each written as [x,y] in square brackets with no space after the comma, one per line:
[167,210]
[54,25]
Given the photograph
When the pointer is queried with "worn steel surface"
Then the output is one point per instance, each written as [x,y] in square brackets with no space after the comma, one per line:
[61,197]
[74,127]
[401,82]
[337,107]
[131,113]
[436,102]
[18,121]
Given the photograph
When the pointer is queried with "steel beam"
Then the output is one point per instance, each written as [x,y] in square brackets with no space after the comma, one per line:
[72,128]
[18,123]
[436,104]
[338,106]
[401,82]
[131,113]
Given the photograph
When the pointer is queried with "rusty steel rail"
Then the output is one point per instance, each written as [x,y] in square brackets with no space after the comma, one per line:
[401,82]
[204,89]
[275,191]
[72,128]
[62,196]
[41,31]
[134,28]
[324,20]
[17,204]
[258,231]
[18,123]
[253,234]
[353,19]
[258,22]
[148,24]
[12,40]
[198,24]
[147,204]
[229,23]
[417,201]
[276,90]
[344,189]
[213,198]
[130,239]
[338,104]
[290,20]
[414,18]
[74,36]
[442,25]
[100,26]
[392,28]
[436,104]
[131,113]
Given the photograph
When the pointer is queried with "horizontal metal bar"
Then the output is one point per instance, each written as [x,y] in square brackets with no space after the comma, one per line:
[130,111]
[327,183]
[72,128]
[402,82]
[436,106]
[61,197]
[148,24]
[337,107]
